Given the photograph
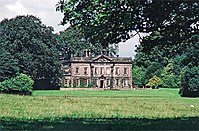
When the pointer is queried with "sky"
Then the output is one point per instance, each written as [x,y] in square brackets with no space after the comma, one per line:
[46,11]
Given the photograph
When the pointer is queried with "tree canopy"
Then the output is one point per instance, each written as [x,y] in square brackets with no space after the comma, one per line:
[73,42]
[111,21]
[32,45]
[8,65]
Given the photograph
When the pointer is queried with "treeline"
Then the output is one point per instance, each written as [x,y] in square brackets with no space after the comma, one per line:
[31,48]
[173,66]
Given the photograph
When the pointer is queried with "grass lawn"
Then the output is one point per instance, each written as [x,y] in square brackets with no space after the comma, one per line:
[100,110]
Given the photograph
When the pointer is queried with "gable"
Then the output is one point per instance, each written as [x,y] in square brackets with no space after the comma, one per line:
[102,58]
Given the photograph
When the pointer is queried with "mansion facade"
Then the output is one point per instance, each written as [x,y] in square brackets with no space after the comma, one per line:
[103,71]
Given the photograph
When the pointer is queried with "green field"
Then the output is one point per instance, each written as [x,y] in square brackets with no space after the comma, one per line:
[100,110]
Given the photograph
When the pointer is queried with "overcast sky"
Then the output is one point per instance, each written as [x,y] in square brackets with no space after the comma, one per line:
[45,10]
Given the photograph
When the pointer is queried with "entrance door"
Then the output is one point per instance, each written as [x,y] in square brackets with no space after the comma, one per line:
[101,83]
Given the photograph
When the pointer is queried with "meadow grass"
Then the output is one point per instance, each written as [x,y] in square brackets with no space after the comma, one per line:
[141,109]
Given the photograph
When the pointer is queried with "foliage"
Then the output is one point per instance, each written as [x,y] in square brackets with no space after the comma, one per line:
[108,21]
[169,78]
[170,81]
[154,81]
[190,82]
[153,70]
[8,65]
[21,84]
[73,42]
[33,45]
[173,58]
[138,75]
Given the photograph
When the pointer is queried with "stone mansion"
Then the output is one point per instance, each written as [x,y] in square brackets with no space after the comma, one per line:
[103,71]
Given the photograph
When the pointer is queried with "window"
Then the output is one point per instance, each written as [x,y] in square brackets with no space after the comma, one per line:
[125,70]
[77,70]
[125,82]
[108,71]
[75,82]
[117,82]
[66,83]
[102,71]
[117,71]
[95,82]
[85,71]
[108,82]
[96,70]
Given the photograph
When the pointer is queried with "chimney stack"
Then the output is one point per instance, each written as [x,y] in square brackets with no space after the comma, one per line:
[87,53]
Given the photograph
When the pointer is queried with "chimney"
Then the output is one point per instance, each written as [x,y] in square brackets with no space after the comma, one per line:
[87,53]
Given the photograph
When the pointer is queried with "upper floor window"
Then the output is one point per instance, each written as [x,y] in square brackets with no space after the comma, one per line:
[77,70]
[108,71]
[96,70]
[102,71]
[125,70]
[85,70]
[117,70]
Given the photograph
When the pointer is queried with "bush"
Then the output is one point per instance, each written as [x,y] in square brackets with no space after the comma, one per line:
[190,82]
[154,82]
[21,84]
[169,77]
[170,81]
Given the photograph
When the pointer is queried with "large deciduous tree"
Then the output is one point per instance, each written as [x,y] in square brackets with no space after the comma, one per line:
[8,65]
[111,21]
[33,45]
[73,42]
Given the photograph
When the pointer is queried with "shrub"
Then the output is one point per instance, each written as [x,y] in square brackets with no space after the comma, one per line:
[190,82]
[81,86]
[154,69]
[170,81]
[169,77]
[21,84]
[154,81]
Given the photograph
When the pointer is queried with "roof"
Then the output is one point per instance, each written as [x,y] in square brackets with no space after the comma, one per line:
[101,58]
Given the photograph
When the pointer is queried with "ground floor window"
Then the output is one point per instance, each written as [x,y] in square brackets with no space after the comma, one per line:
[125,82]
[75,82]
[108,82]
[66,82]
[117,82]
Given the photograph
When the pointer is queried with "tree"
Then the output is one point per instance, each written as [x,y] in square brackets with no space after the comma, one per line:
[190,82]
[33,45]
[111,21]
[8,65]
[138,75]
[154,82]
[153,70]
[73,42]
[169,78]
